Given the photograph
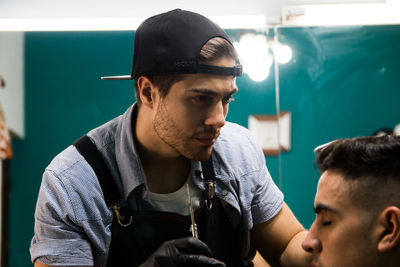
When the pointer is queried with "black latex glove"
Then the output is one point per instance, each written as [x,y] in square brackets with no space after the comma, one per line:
[187,251]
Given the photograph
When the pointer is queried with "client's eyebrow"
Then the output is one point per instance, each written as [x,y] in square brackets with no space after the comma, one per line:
[322,207]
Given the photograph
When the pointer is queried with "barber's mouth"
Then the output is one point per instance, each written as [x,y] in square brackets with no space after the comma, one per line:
[207,141]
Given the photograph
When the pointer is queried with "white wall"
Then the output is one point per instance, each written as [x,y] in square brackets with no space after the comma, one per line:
[12,71]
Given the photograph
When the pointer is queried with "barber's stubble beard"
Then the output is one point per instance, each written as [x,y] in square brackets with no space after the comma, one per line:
[184,143]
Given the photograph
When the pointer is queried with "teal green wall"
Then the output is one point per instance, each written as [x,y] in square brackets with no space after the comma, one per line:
[341,82]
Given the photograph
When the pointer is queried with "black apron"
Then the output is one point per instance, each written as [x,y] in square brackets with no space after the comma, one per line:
[135,235]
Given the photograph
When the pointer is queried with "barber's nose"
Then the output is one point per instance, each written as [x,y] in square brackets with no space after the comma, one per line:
[311,243]
[216,116]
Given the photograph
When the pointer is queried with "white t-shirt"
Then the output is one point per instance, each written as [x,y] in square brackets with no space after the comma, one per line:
[177,201]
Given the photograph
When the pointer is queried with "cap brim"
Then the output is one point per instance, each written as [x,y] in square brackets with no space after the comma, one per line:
[120,77]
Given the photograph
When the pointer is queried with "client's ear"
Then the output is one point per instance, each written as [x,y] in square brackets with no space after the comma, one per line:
[389,221]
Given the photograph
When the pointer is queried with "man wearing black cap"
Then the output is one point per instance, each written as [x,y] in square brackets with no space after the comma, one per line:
[169,182]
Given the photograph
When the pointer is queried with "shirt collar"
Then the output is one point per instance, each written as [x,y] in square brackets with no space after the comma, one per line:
[127,158]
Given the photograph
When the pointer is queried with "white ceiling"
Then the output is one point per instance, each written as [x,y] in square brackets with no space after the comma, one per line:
[146,8]
[26,15]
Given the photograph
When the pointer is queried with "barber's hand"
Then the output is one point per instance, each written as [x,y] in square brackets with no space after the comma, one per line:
[188,251]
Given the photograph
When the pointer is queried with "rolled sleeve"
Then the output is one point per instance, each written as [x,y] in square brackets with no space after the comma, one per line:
[268,199]
[56,252]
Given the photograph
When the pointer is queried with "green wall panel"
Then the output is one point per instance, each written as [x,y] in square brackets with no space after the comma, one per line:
[341,82]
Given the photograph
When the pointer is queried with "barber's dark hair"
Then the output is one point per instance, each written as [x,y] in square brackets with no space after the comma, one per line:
[376,157]
[216,48]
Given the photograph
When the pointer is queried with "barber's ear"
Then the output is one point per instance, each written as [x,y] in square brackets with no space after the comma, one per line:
[147,91]
[389,221]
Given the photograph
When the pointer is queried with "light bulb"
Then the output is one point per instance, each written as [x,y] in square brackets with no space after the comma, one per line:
[283,53]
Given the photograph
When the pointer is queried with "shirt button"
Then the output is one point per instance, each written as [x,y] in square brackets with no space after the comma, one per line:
[224,192]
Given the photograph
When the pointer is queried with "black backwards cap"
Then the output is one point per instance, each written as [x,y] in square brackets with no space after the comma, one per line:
[170,43]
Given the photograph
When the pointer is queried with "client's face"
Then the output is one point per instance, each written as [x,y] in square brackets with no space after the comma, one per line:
[341,234]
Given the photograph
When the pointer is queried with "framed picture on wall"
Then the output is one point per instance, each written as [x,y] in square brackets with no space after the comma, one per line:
[265,129]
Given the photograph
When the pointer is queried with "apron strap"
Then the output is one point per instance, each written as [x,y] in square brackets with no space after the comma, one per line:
[93,156]
[208,169]
[209,177]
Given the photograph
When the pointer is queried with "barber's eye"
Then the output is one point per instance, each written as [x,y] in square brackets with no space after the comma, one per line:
[326,223]
[202,99]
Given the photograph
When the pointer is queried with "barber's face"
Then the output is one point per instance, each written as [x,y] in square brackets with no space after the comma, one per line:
[189,118]
[341,234]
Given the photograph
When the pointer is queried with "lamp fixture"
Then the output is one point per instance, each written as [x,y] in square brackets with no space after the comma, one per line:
[255,53]
[386,12]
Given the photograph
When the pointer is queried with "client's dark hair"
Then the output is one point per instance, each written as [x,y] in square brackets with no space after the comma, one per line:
[362,156]
[371,164]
